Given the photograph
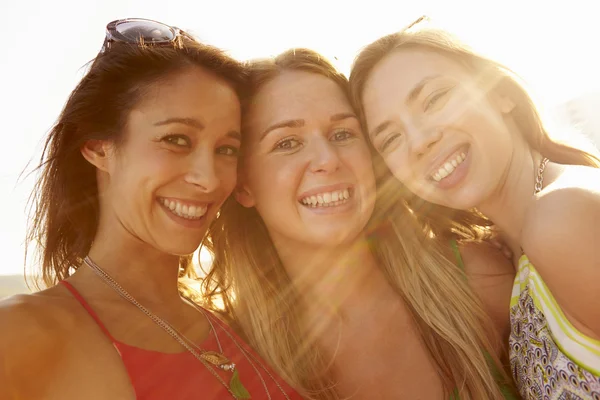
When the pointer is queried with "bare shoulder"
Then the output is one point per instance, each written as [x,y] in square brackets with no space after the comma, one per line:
[572,201]
[34,329]
[562,223]
[560,238]
[491,276]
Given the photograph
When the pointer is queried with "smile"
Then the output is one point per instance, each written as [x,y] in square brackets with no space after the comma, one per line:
[449,166]
[327,199]
[184,210]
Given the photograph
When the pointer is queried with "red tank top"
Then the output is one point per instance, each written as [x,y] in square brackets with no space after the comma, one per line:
[180,376]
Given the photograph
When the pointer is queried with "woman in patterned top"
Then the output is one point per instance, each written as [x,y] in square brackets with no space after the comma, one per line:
[459,131]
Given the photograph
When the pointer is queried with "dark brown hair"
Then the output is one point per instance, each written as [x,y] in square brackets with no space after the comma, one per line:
[64,205]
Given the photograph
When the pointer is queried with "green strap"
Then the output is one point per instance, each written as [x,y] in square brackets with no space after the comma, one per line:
[456,251]
[505,389]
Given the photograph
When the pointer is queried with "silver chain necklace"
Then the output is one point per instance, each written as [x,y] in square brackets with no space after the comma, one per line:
[205,357]
[539,179]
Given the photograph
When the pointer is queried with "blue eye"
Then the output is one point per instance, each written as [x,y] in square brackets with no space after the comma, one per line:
[342,135]
[287,144]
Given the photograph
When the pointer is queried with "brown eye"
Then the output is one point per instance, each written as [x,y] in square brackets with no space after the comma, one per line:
[230,151]
[178,140]
[389,141]
[435,98]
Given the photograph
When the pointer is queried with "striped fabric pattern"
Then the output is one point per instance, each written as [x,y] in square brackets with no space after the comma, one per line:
[550,359]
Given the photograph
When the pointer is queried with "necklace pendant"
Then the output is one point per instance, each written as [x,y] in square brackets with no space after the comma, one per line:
[216,359]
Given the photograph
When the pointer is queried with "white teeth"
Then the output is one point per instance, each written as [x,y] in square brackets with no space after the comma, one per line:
[184,210]
[328,199]
[448,167]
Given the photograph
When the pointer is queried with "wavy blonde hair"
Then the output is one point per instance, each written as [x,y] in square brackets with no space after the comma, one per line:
[249,282]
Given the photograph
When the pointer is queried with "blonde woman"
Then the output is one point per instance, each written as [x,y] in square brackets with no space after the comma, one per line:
[458,130]
[344,292]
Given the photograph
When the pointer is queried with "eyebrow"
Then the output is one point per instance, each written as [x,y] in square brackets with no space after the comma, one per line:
[299,123]
[292,123]
[412,96]
[342,116]
[416,91]
[194,123]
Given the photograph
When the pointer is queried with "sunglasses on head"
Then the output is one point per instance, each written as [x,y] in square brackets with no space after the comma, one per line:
[140,31]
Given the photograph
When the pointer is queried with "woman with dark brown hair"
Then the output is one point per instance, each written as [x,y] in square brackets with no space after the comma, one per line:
[135,170]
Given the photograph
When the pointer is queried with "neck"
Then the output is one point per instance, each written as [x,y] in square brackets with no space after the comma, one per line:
[337,279]
[507,206]
[147,274]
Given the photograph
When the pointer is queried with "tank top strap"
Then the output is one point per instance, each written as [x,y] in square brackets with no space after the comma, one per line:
[457,255]
[88,308]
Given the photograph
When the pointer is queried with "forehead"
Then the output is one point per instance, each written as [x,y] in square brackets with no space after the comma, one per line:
[398,73]
[296,95]
[191,93]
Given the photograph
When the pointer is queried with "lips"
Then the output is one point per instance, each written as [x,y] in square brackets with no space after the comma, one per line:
[327,199]
[448,164]
[183,209]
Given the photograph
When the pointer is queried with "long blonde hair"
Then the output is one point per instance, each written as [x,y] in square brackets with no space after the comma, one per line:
[248,275]
[492,75]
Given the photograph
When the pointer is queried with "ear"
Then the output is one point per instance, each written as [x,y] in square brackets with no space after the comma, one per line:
[243,195]
[97,153]
[504,103]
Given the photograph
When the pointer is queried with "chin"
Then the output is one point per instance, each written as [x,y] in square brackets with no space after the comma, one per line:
[337,237]
[179,248]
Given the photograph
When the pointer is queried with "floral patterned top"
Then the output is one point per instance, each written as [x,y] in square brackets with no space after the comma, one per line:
[550,359]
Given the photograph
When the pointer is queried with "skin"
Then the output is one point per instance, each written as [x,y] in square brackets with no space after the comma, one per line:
[138,243]
[455,113]
[324,250]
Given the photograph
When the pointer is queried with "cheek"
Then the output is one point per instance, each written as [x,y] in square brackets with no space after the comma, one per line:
[398,164]
[227,174]
[271,180]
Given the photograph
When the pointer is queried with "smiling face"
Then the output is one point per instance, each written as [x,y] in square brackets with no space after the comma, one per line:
[441,133]
[307,167]
[177,163]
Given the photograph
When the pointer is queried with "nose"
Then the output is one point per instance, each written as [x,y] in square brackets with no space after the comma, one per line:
[202,172]
[324,157]
[423,139]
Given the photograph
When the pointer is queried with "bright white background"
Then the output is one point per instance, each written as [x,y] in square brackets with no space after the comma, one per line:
[45,45]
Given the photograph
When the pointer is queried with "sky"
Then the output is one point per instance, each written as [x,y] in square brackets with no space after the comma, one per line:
[46,45]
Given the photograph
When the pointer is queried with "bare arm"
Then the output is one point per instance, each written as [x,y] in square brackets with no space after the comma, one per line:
[27,347]
[562,240]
